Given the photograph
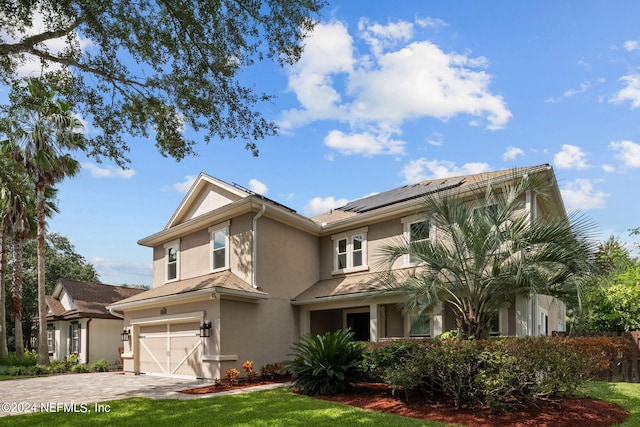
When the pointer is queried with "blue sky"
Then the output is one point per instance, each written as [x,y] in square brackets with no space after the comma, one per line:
[390,93]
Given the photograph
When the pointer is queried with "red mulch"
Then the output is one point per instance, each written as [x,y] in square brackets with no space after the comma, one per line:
[570,412]
[225,386]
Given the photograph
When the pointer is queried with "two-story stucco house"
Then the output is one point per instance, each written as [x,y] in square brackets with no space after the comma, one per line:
[238,277]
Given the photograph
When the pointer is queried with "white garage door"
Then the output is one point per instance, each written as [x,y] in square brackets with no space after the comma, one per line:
[171,349]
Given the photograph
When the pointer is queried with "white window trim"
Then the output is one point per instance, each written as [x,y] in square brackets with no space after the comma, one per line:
[349,237]
[218,227]
[406,228]
[167,246]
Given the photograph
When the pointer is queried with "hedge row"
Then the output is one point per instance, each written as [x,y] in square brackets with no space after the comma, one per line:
[496,372]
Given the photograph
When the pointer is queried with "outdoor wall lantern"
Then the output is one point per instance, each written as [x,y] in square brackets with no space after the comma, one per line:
[125,335]
[205,329]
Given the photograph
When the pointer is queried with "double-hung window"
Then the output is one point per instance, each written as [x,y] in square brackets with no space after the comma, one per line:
[350,251]
[416,230]
[172,260]
[51,338]
[219,246]
[74,338]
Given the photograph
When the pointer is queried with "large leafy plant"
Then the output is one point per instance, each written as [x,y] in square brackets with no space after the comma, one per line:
[325,364]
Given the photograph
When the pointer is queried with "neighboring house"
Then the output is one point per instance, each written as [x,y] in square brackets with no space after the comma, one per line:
[79,323]
[238,277]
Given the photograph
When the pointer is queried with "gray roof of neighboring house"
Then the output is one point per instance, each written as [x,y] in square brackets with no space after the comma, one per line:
[91,299]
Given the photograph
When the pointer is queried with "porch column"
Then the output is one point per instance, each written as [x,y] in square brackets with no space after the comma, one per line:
[305,321]
[373,322]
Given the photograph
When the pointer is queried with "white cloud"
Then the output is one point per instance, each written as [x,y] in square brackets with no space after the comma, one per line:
[632,45]
[32,66]
[422,169]
[630,93]
[628,152]
[436,139]
[258,187]
[570,157]
[108,171]
[363,143]
[319,205]
[381,37]
[434,23]
[400,80]
[581,195]
[608,168]
[512,153]
[184,186]
[584,86]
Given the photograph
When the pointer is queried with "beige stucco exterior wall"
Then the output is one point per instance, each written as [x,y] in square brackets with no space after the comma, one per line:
[195,252]
[104,340]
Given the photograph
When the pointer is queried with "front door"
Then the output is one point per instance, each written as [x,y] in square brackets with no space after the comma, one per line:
[359,323]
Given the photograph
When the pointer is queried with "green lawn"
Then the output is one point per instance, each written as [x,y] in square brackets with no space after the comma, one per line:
[626,395]
[269,408]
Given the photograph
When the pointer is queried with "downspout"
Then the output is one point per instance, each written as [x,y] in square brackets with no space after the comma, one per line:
[87,340]
[254,244]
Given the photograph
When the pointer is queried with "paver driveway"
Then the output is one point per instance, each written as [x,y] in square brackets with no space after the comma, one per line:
[18,396]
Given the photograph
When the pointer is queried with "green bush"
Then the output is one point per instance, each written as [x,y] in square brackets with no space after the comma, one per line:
[100,365]
[28,359]
[325,364]
[80,368]
[496,373]
[58,367]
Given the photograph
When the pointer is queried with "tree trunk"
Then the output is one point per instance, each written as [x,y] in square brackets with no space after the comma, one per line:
[17,296]
[43,348]
[4,351]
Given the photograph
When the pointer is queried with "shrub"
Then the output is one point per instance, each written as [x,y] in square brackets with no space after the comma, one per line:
[325,364]
[271,371]
[58,367]
[100,365]
[28,359]
[497,372]
[80,368]
[232,376]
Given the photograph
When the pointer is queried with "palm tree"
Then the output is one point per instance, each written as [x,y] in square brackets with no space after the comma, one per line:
[18,222]
[5,177]
[485,254]
[43,128]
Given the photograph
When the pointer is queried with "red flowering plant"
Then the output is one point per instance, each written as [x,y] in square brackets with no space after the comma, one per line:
[248,368]
[232,376]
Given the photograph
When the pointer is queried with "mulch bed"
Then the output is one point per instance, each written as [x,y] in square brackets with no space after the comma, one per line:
[225,386]
[570,412]
[582,412]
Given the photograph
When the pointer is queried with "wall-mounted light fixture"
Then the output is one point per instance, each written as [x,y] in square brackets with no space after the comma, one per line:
[125,335]
[205,329]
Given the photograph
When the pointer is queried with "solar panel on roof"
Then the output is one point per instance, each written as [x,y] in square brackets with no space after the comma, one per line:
[398,195]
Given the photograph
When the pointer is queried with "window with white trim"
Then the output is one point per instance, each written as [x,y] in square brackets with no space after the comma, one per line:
[51,338]
[74,338]
[416,229]
[219,246]
[172,261]
[350,251]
